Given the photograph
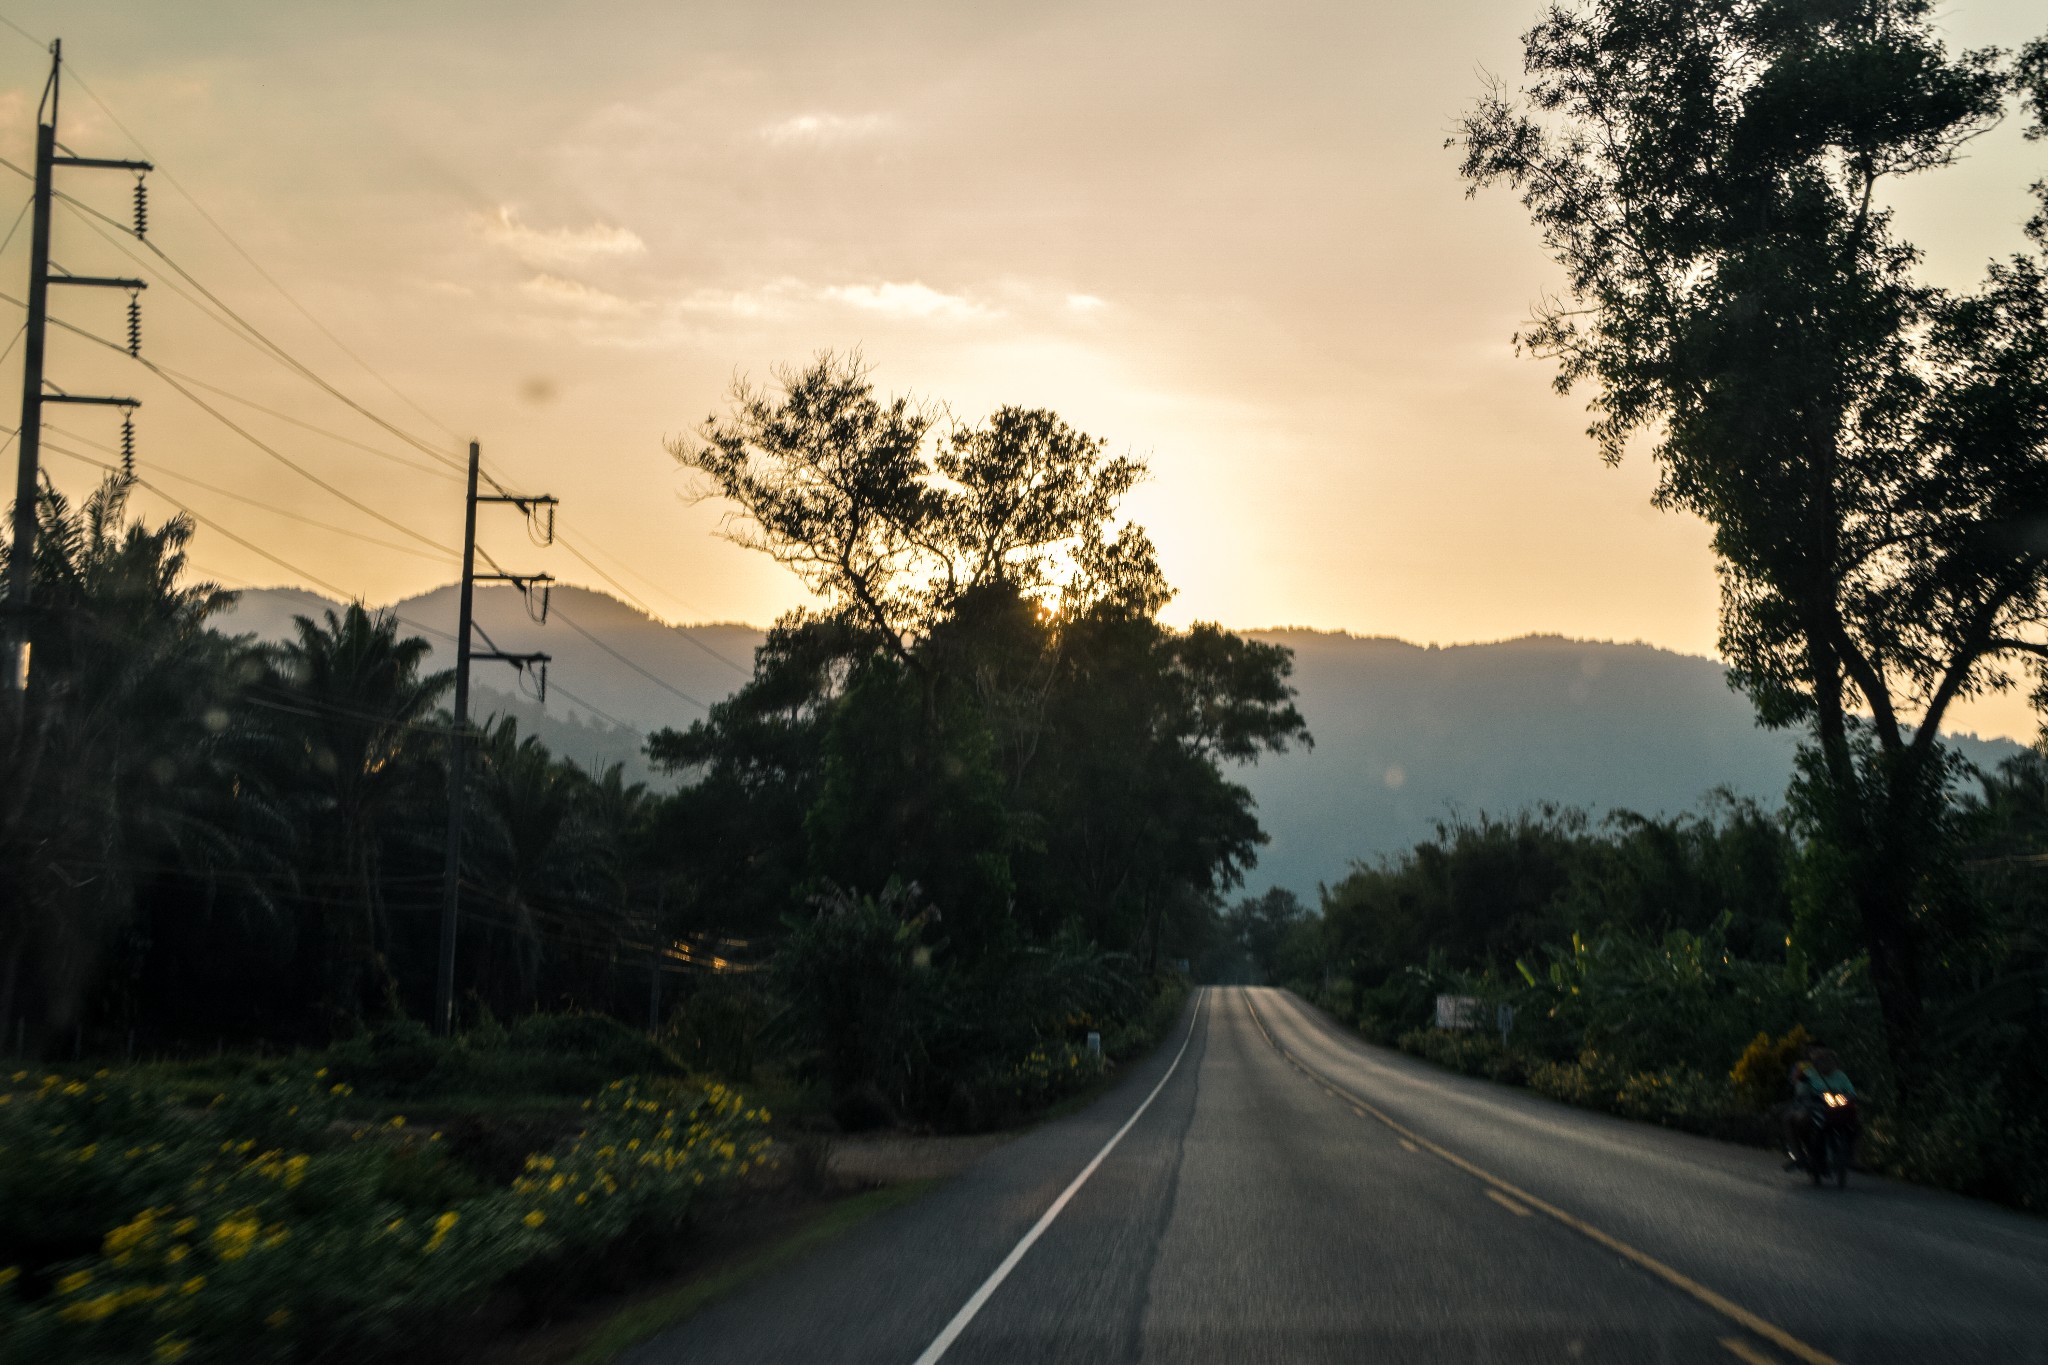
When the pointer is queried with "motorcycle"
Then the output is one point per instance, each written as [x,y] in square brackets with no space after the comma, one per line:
[1828,1142]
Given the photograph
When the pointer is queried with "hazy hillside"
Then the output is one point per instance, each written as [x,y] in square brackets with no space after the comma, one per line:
[1404,734]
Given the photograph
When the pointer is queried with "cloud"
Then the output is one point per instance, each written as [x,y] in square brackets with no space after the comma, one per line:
[820,129]
[913,300]
[788,297]
[1085,303]
[559,246]
[576,294]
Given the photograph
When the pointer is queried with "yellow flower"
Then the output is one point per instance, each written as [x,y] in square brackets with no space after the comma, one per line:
[320,1073]
[193,1285]
[279,1318]
[442,1227]
[9,1274]
[131,1234]
[398,1120]
[75,1281]
[92,1309]
[176,1254]
[534,1219]
[171,1348]
[186,1227]
[235,1235]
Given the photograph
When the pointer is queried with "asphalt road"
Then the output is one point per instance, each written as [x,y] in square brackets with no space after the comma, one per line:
[1287,1193]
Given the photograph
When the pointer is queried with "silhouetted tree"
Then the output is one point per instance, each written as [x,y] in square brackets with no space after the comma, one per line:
[1868,448]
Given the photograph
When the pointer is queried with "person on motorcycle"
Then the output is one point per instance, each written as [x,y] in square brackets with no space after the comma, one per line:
[1814,1077]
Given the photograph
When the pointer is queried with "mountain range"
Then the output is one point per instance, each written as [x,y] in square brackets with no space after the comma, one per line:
[1404,734]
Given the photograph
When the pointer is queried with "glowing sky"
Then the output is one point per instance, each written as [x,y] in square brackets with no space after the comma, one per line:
[1228,238]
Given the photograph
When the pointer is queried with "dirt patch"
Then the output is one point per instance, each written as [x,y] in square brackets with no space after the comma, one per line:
[868,1159]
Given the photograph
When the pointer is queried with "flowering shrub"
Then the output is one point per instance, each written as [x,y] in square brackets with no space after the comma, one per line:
[134,1229]
[1048,1072]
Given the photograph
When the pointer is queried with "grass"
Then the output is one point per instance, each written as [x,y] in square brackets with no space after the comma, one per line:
[631,1326]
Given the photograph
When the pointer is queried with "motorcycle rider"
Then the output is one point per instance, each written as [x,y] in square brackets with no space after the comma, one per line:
[1816,1075]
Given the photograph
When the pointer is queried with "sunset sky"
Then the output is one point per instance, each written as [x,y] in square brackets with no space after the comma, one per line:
[1225,237]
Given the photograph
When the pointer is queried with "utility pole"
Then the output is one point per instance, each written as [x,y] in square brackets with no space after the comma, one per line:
[458,738]
[21,569]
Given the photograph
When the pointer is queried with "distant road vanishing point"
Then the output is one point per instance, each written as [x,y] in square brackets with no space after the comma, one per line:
[1268,1188]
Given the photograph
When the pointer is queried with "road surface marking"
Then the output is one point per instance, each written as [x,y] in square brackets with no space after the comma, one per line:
[1356,1110]
[1510,1205]
[1406,1145]
[1002,1272]
[1743,1351]
[1726,1307]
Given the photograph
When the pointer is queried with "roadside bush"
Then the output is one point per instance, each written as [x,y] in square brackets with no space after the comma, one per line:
[1966,1140]
[546,1054]
[1760,1074]
[897,1029]
[720,1027]
[133,1228]
[1472,1054]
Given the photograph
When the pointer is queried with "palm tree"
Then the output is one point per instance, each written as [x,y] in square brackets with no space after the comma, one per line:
[364,753]
[116,758]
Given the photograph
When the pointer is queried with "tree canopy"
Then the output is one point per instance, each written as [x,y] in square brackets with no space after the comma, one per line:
[1867,447]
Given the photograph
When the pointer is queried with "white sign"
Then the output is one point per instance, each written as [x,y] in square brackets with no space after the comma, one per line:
[1459,1012]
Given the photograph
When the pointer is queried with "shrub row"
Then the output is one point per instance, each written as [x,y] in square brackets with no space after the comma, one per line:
[264,1228]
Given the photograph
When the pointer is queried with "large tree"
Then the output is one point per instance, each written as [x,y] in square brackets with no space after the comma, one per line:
[984,701]
[1870,450]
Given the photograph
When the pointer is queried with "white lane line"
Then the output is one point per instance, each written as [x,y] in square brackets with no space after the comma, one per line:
[1002,1272]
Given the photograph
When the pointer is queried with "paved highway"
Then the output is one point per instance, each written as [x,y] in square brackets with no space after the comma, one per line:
[1267,1188]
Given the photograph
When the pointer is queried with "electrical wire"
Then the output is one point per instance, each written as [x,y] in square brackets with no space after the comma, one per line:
[24,33]
[206,521]
[82,210]
[570,622]
[566,544]
[9,239]
[305,371]
[161,373]
[599,712]
[245,498]
[228,237]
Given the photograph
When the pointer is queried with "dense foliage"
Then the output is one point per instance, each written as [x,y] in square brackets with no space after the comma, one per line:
[263,1226]
[1868,448]
[217,841]
[1663,968]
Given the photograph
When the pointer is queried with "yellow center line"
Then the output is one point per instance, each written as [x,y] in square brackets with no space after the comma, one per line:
[1510,1205]
[1726,1307]
[1743,1351]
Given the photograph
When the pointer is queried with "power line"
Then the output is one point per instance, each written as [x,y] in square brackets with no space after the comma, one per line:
[318,430]
[226,236]
[600,713]
[209,522]
[86,213]
[40,44]
[570,622]
[253,502]
[161,373]
[566,544]
[26,205]
[255,334]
